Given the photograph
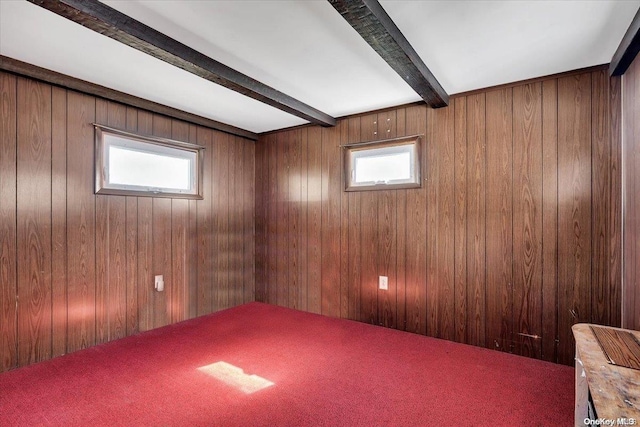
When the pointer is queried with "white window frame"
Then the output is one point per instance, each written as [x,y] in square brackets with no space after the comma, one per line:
[410,144]
[146,144]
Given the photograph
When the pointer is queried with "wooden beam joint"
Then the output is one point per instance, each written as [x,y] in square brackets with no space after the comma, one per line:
[375,26]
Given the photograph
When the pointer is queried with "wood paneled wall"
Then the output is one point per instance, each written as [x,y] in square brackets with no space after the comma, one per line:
[631,196]
[513,237]
[77,269]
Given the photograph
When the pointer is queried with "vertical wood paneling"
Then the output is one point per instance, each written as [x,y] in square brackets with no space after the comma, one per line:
[386,239]
[401,236]
[549,220]
[476,217]
[368,236]
[574,207]
[476,255]
[417,235]
[354,279]
[527,218]
[614,231]
[440,219]
[117,297]
[272,223]
[8,200]
[161,241]
[500,219]
[222,224]
[261,218]
[180,247]
[131,245]
[294,204]
[77,269]
[81,288]
[246,237]
[460,222]
[331,221]
[58,221]
[205,227]
[631,196]
[34,221]
[314,218]
[302,303]
[235,285]
[145,244]
[282,215]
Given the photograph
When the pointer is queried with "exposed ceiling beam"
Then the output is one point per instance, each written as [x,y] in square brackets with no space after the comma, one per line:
[373,24]
[107,21]
[22,68]
[628,49]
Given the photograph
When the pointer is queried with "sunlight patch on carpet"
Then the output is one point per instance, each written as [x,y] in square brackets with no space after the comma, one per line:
[235,377]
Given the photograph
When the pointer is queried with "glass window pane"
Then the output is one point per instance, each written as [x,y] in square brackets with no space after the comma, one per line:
[131,167]
[383,164]
[383,168]
[147,166]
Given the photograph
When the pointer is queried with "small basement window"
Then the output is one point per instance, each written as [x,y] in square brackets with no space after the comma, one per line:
[129,164]
[381,165]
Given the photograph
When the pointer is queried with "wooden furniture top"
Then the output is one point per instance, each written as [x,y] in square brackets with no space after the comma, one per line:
[615,390]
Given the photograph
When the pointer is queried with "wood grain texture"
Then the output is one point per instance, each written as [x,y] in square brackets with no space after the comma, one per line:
[417,235]
[76,268]
[145,268]
[476,219]
[500,218]
[387,239]
[631,198]
[473,255]
[58,221]
[550,220]
[261,219]
[304,222]
[614,231]
[401,236]
[574,207]
[205,228]
[8,232]
[181,253]
[81,288]
[246,236]
[331,190]
[460,221]
[294,183]
[222,232]
[131,225]
[282,217]
[272,223]
[368,236]
[34,221]
[527,218]
[161,242]
[440,151]
[354,281]
[314,218]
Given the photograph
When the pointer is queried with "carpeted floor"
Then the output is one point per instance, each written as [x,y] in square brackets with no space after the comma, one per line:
[299,369]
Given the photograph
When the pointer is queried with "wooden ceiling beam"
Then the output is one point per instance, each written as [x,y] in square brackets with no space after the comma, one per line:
[628,48]
[375,26]
[114,24]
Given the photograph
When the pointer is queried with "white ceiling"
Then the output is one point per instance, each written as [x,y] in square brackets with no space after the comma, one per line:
[308,51]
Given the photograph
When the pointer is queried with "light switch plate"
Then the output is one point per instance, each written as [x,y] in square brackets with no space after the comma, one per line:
[383,283]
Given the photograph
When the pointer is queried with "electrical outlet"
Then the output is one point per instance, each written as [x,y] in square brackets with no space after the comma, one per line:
[159,283]
[383,283]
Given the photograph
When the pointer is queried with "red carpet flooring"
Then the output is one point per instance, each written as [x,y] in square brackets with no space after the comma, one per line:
[325,372]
